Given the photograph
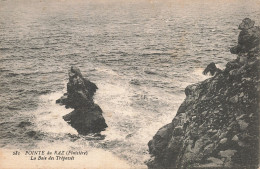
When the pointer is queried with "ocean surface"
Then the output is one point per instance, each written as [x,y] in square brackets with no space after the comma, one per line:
[140,53]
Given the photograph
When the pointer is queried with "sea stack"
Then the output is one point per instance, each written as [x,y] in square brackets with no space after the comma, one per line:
[217,125]
[87,116]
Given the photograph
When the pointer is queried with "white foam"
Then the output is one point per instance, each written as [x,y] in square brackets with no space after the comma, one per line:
[199,75]
[107,71]
[48,116]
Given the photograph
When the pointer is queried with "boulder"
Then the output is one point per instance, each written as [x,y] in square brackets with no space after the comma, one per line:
[87,116]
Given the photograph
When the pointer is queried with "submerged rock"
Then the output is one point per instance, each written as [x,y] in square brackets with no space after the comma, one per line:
[87,116]
[217,125]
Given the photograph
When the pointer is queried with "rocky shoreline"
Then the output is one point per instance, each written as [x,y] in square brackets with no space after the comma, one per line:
[217,125]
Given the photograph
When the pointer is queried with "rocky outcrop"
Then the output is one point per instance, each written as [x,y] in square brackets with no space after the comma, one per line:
[212,69]
[87,116]
[217,125]
[248,37]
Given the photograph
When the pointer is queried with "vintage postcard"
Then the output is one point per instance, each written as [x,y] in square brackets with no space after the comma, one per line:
[129,84]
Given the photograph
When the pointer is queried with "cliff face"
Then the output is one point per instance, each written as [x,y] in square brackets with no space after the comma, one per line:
[87,116]
[217,125]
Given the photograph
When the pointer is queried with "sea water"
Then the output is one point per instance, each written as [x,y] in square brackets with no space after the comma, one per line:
[140,53]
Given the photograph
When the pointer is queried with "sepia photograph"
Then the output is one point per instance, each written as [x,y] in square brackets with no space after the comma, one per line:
[129,84]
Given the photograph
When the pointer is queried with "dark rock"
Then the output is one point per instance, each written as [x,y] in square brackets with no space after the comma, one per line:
[87,116]
[86,120]
[135,82]
[150,72]
[31,133]
[80,91]
[35,135]
[24,124]
[63,100]
[160,139]
[248,39]
[247,23]
[212,69]
[217,125]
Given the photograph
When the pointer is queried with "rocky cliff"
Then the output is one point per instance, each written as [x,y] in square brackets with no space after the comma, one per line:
[87,116]
[217,125]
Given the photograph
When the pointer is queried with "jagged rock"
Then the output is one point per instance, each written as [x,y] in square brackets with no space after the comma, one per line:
[248,39]
[247,23]
[212,69]
[217,125]
[87,116]
[80,91]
